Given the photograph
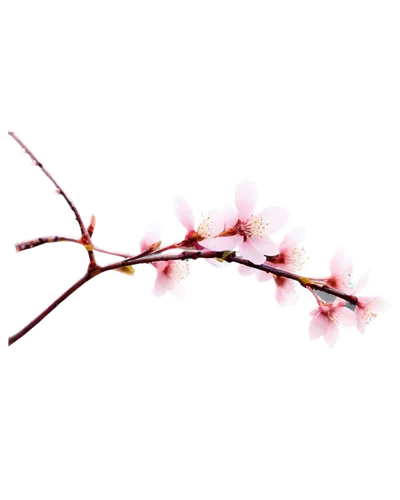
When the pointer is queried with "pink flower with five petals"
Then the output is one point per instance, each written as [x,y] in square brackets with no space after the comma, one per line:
[212,224]
[341,267]
[326,320]
[248,230]
[291,257]
[368,308]
[170,274]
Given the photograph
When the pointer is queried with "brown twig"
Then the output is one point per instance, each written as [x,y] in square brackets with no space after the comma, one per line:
[38,319]
[36,161]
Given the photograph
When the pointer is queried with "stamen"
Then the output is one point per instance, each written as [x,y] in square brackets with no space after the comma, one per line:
[178,270]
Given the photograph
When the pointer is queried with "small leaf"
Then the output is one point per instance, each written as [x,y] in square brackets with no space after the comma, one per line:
[129,271]
[89,248]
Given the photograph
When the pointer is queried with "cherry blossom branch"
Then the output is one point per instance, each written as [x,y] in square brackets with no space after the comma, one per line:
[86,239]
[232,257]
[305,281]
[88,276]
[154,253]
[186,255]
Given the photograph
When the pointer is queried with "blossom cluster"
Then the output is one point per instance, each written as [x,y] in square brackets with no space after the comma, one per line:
[250,232]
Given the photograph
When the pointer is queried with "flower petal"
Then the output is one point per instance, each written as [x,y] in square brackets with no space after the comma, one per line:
[331,334]
[360,320]
[222,243]
[321,326]
[215,264]
[161,265]
[178,291]
[231,217]
[151,235]
[362,282]
[245,199]
[251,253]
[263,276]
[275,217]
[379,305]
[184,213]
[161,284]
[317,326]
[286,293]
[293,238]
[265,245]
[340,263]
[345,316]
[245,270]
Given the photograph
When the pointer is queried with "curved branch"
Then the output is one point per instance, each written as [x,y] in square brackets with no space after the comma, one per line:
[88,276]
[84,231]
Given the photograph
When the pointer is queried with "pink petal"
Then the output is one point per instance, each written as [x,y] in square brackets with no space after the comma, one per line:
[331,334]
[346,317]
[178,291]
[245,199]
[316,325]
[265,245]
[251,253]
[321,326]
[161,284]
[161,265]
[263,276]
[184,213]
[231,217]
[286,294]
[360,320]
[215,263]
[245,270]
[379,305]
[275,217]
[340,263]
[293,238]
[362,282]
[151,235]
[338,302]
[218,221]
[222,243]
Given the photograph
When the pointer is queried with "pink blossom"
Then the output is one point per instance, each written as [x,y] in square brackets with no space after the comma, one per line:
[248,230]
[326,320]
[367,309]
[151,237]
[210,225]
[291,257]
[340,267]
[168,274]
[285,292]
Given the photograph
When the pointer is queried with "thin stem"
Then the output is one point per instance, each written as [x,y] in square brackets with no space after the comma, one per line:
[200,254]
[303,280]
[126,255]
[231,257]
[28,244]
[88,276]
[84,232]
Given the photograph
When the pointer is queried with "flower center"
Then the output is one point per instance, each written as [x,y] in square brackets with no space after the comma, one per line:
[178,270]
[298,258]
[255,225]
[368,315]
[206,228]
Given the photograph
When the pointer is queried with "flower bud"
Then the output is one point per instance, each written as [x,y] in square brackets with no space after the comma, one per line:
[127,271]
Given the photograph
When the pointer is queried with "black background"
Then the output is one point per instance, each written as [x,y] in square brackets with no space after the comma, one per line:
[125,144]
